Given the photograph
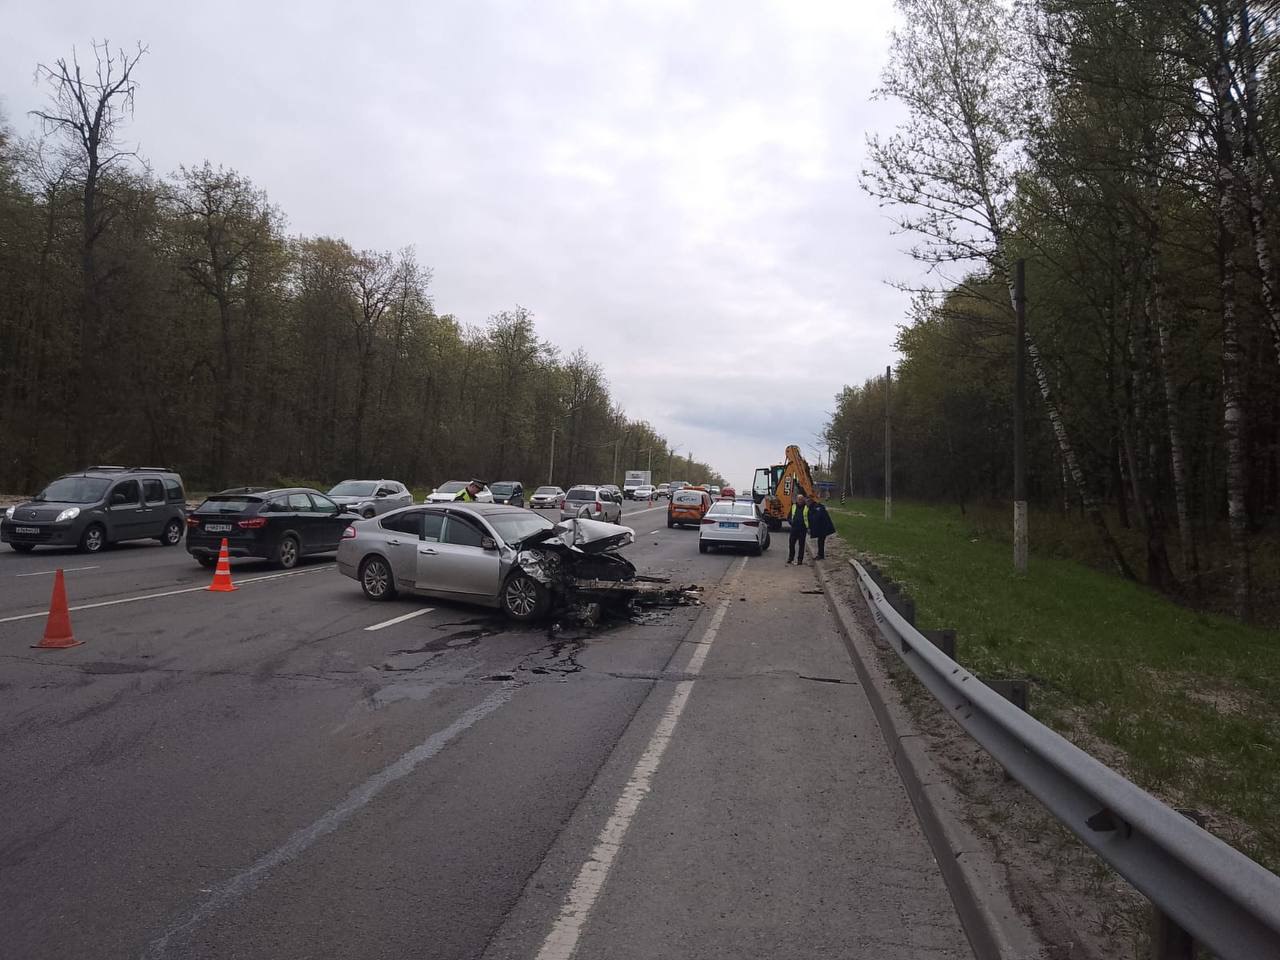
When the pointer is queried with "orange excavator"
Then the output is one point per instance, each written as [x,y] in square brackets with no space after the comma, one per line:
[775,487]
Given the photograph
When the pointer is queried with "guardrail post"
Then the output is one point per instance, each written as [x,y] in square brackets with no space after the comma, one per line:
[944,640]
[1168,940]
[1015,691]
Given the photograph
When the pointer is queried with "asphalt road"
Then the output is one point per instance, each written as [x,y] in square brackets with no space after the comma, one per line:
[261,775]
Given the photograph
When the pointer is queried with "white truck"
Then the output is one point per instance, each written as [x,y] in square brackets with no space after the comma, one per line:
[633,479]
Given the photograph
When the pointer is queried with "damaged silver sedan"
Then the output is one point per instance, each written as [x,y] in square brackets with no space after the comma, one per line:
[495,555]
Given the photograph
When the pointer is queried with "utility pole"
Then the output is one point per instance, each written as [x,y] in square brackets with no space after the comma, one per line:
[1019,413]
[848,467]
[616,441]
[551,469]
[651,463]
[888,449]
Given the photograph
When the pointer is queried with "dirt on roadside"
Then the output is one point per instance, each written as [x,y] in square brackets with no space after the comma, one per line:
[1080,907]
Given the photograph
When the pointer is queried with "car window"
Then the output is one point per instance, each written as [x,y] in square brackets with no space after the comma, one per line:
[502,489]
[514,527]
[299,503]
[453,486]
[323,504]
[125,492]
[387,491]
[353,488]
[173,491]
[152,491]
[409,522]
[74,490]
[582,493]
[461,532]
[432,523]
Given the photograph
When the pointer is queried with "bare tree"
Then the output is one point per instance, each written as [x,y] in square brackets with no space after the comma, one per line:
[85,112]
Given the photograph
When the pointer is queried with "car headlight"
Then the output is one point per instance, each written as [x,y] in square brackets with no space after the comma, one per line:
[8,513]
[68,514]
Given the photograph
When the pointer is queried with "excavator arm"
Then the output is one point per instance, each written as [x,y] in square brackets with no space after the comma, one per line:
[785,481]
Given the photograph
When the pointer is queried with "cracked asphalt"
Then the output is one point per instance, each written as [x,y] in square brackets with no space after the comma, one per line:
[258,775]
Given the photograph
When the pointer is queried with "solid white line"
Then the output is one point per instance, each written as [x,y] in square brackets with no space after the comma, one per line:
[394,620]
[157,596]
[50,573]
[244,881]
[582,896]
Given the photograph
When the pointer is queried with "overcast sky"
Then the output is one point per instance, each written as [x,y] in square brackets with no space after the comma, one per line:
[671,185]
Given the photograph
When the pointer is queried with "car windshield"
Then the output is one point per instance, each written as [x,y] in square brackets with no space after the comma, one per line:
[453,486]
[582,493]
[502,489]
[354,488]
[730,508]
[546,491]
[74,490]
[514,527]
[228,503]
[689,497]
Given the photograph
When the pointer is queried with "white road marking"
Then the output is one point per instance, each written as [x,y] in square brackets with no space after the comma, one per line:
[50,573]
[248,878]
[563,938]
[157,596]
[394,620]
[655,531]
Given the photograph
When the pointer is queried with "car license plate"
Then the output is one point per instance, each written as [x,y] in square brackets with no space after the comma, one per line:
[27,530]
[217,527]
[728,525]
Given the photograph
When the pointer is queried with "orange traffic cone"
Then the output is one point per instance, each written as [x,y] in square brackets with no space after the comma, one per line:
[222,575]
[57,629]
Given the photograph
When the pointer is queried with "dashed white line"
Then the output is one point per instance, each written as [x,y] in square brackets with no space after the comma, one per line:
[248,878]
[50,573]
[563,938]
[157,596]
[401,619]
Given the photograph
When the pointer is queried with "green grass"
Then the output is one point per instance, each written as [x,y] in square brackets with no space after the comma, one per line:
[1191,701]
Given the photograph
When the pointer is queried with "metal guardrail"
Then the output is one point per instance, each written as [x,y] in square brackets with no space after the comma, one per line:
[1224,900]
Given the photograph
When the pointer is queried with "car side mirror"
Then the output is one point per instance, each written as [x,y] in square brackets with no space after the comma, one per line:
[488,543]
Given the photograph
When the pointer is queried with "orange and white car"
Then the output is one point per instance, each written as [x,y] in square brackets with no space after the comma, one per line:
[688,507]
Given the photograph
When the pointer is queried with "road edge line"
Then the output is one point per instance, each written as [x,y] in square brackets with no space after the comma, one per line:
[975,880]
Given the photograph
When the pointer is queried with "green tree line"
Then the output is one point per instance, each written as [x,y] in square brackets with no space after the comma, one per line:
[174,321]
[1128,152]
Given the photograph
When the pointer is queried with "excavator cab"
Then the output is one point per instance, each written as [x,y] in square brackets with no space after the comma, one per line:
[775,487]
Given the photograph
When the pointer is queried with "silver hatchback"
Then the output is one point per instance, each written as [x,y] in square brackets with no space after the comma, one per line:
[592,503]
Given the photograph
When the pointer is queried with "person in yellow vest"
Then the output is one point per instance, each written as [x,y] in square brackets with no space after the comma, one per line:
[471,492]
[798,519]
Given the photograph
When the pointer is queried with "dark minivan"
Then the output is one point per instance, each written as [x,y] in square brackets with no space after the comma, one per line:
[510,492]
[280,525]
[99,506]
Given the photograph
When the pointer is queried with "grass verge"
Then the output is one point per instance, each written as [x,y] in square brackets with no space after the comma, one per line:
[1186,704]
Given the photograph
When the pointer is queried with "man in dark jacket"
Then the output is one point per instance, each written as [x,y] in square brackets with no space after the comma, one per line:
[795,546]
[820,526]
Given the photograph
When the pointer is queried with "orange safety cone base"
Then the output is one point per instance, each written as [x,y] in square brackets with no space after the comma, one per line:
[57,628]
[222,575]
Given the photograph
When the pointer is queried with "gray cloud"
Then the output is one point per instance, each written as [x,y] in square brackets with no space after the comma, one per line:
[671,185]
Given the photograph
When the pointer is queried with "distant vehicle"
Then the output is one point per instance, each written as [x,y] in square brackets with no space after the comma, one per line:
[643,492]
[547,498]
[371,497]
[687,507]
[728,493]
[592,503]
[714,491]
[281,525]
[733,523]
[775,487]
[633,479]
[488,554]
[612,488]
[677,485]
[510,492]
[449,491]
[663,490]
[97,507]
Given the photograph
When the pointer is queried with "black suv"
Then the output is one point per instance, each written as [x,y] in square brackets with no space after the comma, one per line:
[99,506]
[282,525]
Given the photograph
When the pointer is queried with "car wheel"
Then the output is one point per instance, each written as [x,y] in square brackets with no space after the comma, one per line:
[376,579]
[207,561]
[702,546]
[23,547]
[172,535]
[524,599]
[287,552]
[93,539]
[767,540]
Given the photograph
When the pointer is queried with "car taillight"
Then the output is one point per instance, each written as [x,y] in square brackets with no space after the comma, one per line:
[350,532]
[599,506]
[751,523]
[708,520]
[253,523]
[193,521]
